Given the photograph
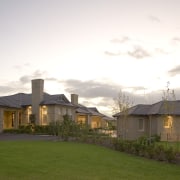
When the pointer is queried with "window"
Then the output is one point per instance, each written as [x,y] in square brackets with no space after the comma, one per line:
[44,115]
[141,124]
[13,117]
[81,120]
[168,122]
[29,112]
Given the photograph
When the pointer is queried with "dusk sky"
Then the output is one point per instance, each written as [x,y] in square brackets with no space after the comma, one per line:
[91,47]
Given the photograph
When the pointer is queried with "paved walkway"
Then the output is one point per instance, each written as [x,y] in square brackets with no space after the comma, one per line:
[14,137]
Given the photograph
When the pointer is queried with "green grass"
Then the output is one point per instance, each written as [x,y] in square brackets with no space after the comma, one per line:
[64,160]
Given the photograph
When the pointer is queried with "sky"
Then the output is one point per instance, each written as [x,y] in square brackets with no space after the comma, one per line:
[94,48]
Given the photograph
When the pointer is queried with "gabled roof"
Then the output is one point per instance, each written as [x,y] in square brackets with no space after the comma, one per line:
[159,108]
[21,99]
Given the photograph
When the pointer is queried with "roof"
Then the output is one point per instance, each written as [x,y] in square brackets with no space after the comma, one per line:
[92,111]
[159,108]
[88,110]
[21,99]
[59,99]
[16,100]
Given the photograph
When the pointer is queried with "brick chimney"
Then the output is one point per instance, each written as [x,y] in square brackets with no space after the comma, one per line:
[37,97]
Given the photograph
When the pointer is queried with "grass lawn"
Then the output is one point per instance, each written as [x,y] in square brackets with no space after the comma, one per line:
[36,160]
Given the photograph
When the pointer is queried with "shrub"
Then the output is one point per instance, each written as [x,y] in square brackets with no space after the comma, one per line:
[170,154]
[159,153]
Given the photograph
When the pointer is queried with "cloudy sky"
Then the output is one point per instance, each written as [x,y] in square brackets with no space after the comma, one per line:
[94,48]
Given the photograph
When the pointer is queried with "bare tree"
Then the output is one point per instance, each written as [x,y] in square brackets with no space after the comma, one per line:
[121,105]
[168,96]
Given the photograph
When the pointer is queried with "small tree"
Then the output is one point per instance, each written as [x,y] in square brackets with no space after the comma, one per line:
[121,104]
[68,128]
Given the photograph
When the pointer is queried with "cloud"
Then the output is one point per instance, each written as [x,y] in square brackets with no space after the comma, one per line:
[154,19]
[139,53]
[176,40]
[36,75]
[90,89]
[111,53]
[175,71]
[6,89]
[13,87]
[122,40]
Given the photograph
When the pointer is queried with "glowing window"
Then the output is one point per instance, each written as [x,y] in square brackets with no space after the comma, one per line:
[168,122]
[44,115]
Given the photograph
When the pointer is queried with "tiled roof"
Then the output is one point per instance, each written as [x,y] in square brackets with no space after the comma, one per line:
[59,99]
[16,100]
[22,99]
[159,108]
[92,111]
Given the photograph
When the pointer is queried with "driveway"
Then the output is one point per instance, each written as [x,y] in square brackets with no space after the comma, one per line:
[15,137]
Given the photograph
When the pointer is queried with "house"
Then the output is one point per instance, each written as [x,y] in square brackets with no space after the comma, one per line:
[161,118]
[42,108]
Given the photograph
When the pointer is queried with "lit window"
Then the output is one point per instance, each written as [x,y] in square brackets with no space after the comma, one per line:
[44,115]
[168,122]
[29,112]
[81,120]
[141,124]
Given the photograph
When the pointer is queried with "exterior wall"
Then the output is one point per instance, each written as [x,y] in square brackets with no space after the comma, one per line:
[176,128]
[129,128]
[153,125]
[1,119]
[56,113]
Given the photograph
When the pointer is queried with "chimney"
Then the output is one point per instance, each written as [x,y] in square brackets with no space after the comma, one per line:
[74,99]
[37,97]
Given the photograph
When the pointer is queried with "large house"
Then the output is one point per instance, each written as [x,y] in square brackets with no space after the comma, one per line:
[161,118]
[42,108]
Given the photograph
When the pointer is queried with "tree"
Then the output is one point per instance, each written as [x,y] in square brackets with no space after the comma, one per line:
[121,105]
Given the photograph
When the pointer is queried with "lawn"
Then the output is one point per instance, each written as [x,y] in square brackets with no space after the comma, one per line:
[36,160]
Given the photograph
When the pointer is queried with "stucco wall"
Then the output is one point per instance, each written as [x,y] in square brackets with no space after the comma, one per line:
[56,112]
[128,128]
[1,119]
